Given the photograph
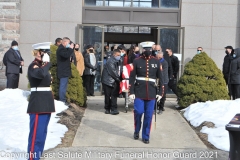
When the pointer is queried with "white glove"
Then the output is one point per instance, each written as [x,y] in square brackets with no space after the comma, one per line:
[46,58]
[158,98]
[132,96]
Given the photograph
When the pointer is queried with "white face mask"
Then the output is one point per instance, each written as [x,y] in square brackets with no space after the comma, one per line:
[15,48]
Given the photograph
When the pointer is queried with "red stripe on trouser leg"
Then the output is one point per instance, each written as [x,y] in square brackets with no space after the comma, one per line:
[134,121]
[34,137]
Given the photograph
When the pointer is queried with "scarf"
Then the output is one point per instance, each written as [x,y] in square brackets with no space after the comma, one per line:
[93,63]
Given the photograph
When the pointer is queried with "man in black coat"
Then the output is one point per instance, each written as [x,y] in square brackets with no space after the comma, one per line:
[13,61]
[234,75]
[175,69]
[110,82]
[64,51]
[226,62]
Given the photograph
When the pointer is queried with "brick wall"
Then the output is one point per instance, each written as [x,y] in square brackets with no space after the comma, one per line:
[9,30]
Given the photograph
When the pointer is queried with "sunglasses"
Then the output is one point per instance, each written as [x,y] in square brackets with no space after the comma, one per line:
[199,50]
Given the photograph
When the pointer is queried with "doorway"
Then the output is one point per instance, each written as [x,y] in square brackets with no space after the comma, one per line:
[101,35]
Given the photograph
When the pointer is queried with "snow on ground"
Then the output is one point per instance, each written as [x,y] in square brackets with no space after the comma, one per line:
[14,123]
[219,112]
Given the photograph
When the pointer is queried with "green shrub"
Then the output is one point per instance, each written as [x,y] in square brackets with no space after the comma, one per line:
[75,91]
[201,81]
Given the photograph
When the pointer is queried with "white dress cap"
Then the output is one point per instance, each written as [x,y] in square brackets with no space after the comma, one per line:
[44,45]
[147,44]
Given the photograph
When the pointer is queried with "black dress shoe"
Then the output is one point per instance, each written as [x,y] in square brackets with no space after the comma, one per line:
[107,111]
[115,112]
[163,109]
[92,95]
[136,136]
[145,141]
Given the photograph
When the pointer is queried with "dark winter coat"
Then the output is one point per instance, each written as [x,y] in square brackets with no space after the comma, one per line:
[12,62]
[146,68]
[63,61]
[175,65]
[88,64]
[40,101]
[226,66]
[170,69]
[235,68]
[110,73]
[164,64]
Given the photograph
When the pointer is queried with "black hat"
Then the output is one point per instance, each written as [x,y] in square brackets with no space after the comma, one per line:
[228,47]
[89,46]
[14,43]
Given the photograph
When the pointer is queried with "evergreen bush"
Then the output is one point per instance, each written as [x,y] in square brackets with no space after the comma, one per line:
[75,91]
[201,81]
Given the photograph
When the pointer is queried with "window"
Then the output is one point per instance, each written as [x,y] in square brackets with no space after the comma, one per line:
[118,3]
[128,29]
[170,3]
[169,38]
[93,2]
[146,3]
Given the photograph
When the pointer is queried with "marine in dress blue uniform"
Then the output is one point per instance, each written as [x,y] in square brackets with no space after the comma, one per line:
[146,69]
[41,102]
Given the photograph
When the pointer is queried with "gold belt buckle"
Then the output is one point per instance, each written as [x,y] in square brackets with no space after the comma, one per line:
[146,79]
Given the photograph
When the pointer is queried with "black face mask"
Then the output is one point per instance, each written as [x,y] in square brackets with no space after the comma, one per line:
[91,50]
[226,52]
[147,53]
[76,49]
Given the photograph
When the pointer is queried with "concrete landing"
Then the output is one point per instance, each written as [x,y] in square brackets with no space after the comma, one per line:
[100,130]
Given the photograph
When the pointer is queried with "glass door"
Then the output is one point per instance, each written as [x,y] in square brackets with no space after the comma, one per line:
[93,35]
[173,37]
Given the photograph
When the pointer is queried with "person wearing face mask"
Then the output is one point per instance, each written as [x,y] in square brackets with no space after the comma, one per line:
[13,61]
[143,90]
[199,50]
[226,62]
[41,101]
[79,59]
[64,52]
[136,52]
[234,75]
[110,82]
[90,62]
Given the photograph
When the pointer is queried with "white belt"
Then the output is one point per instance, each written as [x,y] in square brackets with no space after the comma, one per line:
[41,89]
[146,79]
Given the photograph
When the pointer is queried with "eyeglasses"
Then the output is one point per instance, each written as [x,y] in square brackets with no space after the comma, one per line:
[158,50]
[199,50]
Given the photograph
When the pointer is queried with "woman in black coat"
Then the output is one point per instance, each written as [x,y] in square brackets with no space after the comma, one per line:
[89,73]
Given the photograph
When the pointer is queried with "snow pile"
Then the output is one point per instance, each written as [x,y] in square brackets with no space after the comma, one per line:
[14,122]
[219,112]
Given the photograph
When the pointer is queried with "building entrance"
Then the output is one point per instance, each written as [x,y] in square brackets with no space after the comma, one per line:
[101,35]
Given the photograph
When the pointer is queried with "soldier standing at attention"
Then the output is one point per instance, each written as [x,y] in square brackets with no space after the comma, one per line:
[146,69]
[41,102]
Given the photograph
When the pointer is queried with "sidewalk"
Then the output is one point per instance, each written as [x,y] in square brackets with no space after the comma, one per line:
[102,136]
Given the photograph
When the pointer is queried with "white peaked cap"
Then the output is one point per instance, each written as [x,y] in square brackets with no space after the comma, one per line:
[44,45]
[147,44]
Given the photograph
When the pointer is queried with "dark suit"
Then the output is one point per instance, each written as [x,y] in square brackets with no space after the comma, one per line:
[12,60]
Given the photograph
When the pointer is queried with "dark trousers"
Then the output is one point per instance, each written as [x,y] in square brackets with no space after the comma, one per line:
[37,135]
[63,89]
[172,84]
[111,94]
[163,99]
[235,91]
[143,106]
[89,84]
[12,80]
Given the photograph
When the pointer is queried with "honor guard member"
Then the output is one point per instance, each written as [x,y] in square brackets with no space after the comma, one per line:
[146,69]
[41,102]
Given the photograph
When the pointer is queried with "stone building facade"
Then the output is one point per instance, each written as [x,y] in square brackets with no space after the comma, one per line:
[9,30]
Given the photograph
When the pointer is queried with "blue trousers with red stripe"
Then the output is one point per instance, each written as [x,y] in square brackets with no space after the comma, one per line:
[146,107]
[37,134]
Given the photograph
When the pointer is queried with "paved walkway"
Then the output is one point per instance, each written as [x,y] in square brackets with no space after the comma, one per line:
[102,136]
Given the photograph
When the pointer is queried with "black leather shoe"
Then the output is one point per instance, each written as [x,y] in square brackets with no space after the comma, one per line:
[163,109]
[145,141]
[92,95]
[107,111]
[136,136]
[115,112]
